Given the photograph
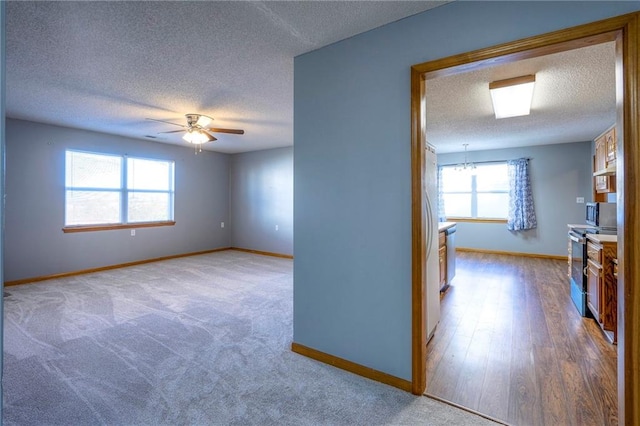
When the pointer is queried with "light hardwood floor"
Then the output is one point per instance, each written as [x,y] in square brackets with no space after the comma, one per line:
[512,345]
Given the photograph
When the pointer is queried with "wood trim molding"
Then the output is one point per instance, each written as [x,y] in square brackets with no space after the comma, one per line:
[628,182]
[546,44]
[264,253]
[472,220]
[351,367]
[91,228]
[531,78]
[418,242]
[106,268]
[624,31]
[512,253]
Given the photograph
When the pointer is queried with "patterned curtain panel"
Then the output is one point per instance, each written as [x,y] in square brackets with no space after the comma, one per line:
[441,216]
[522,215]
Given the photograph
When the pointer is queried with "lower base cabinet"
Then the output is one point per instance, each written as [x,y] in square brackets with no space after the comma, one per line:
[602,287]
[442,254]
[443,267]
[594,275]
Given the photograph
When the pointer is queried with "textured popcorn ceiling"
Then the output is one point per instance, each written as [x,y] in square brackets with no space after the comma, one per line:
[573,101]
[106,66]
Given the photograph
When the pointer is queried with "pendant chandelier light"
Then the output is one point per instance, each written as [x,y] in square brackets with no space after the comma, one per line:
[466,167]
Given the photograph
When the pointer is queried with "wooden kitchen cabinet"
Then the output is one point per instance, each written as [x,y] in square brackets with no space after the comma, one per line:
[602,288]
[594,275]
[600,162]
[611,147]
[442,252]
[604,163]
[609,293]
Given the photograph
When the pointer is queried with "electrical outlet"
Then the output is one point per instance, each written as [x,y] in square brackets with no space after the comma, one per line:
[276,227]
[133,232]
[221,224]
[580,200]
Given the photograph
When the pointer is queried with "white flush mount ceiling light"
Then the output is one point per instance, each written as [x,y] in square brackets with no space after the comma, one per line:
[512,97]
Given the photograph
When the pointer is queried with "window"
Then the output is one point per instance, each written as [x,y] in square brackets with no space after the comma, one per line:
[108,190]
[480,195]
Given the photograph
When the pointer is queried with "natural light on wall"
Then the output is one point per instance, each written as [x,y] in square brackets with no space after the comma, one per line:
[512,97]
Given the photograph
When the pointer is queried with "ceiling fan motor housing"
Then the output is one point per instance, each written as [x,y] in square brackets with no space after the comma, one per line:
[192,119]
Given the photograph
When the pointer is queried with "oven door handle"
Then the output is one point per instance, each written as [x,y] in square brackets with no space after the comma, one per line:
[576,239]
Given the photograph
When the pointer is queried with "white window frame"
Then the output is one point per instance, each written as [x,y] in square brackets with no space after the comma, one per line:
[474,194]
[124,192]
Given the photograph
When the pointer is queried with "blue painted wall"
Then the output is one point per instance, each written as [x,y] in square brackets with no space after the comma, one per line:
[352,199]
[250,193]
[559,174]
[34,210]
[261,198]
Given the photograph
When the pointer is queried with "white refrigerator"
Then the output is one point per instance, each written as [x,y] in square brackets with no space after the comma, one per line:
[432,285]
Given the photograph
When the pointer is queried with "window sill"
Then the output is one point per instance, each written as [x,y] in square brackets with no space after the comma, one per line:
[474,220]
[91,228]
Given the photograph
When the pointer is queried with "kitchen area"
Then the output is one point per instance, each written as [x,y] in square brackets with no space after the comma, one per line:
[509,331]
[592,260]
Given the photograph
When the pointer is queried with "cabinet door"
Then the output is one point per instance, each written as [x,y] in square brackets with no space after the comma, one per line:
[609,301]
[602,184]
[594,272]
[609,304]
[601,153]
[599,163]
[611,147]
[443,267]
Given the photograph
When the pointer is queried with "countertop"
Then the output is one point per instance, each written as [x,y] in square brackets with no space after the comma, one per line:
[602,238]
[598,238]
[443,226]
[583,226]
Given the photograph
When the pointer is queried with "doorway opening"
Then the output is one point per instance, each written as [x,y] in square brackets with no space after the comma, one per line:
[623,31]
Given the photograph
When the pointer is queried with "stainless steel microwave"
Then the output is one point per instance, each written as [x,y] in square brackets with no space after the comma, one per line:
[602,215]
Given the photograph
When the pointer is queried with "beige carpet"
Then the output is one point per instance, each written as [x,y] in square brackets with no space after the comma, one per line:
[202,340]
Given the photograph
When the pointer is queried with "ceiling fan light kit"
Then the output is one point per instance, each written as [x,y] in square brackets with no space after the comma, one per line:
[512,97]
[196,137]
[197,132]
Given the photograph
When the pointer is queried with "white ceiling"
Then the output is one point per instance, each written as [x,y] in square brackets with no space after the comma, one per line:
[573,101]
[107,66]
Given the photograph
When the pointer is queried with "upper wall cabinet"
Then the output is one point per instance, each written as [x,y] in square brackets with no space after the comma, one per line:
[611,145]
[604,162]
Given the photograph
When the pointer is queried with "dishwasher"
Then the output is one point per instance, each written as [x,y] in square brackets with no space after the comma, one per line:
[451,253]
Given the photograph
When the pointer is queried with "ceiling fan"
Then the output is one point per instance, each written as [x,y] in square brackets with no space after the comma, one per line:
[196,130]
